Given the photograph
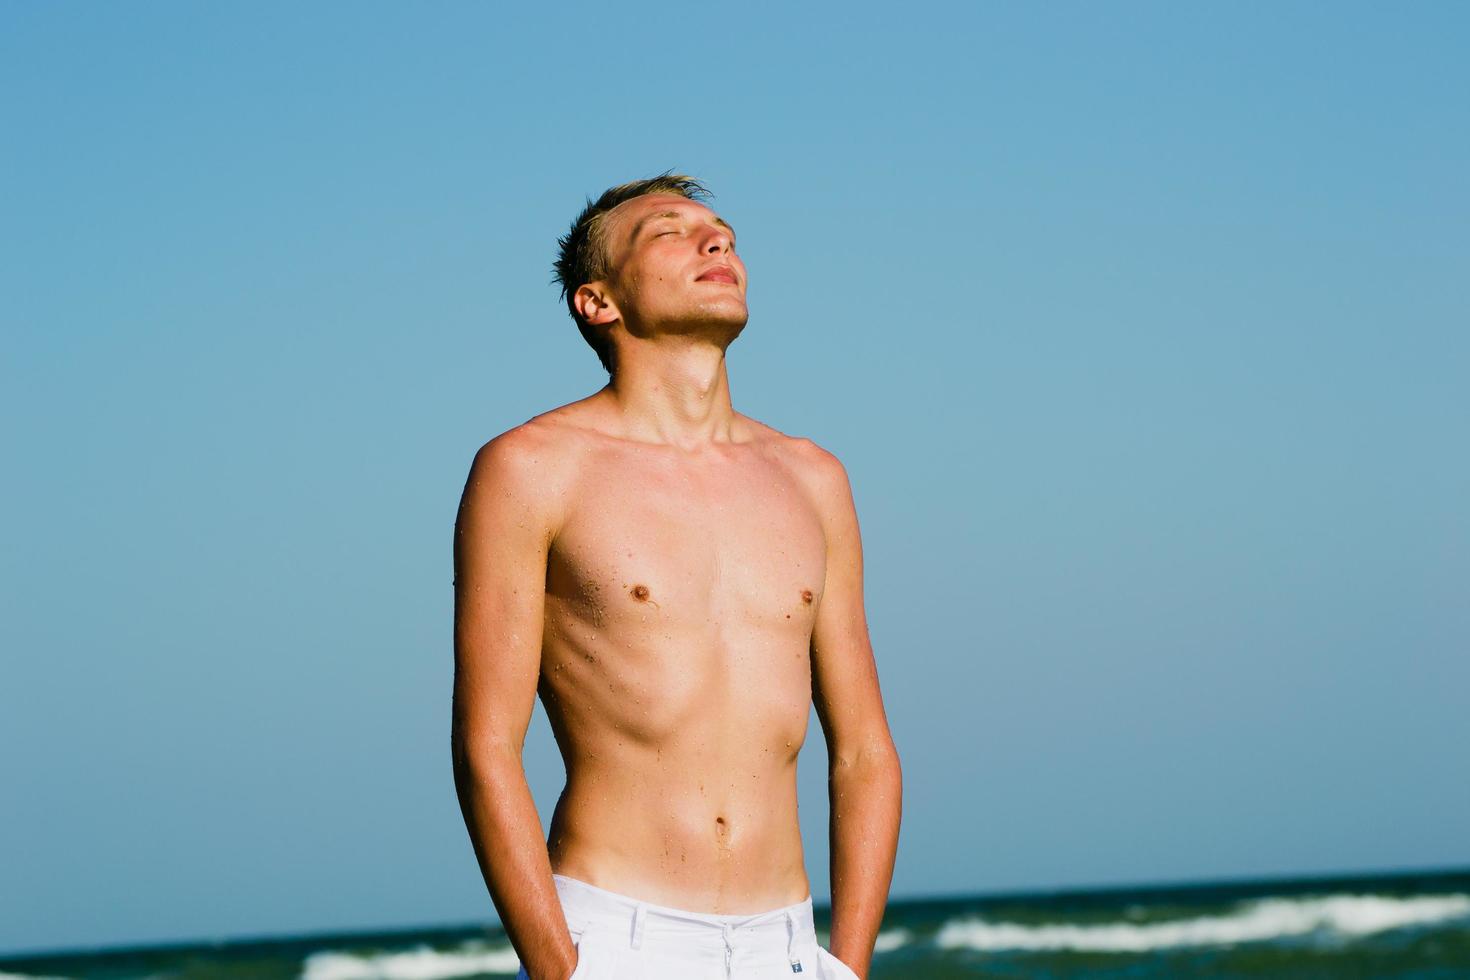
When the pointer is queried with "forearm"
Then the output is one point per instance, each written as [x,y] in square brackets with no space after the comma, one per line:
[506,833]
[866,807]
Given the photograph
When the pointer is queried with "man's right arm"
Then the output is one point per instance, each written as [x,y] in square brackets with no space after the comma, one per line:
[506,521]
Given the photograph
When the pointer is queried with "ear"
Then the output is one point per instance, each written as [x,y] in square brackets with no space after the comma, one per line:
[595,304]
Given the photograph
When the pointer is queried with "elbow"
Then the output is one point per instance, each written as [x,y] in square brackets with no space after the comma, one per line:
[462,765]
[892,766]
[876,758]
[459,750]
[478,760]
[459,758]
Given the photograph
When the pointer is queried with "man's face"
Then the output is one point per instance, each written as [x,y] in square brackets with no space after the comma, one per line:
[672,262]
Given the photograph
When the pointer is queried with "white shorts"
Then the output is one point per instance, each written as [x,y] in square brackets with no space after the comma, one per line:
[623,938]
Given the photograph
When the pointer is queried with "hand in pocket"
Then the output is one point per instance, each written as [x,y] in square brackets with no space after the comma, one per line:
[835,968]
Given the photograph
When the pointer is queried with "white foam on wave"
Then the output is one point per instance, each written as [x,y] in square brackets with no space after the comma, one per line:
[1257,921]
[419,963]
[424,963]
[27,976]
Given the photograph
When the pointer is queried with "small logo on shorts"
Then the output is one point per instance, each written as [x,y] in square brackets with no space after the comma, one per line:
[796,966]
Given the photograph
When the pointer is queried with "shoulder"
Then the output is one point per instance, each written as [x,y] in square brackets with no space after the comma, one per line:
[519,453]
[819,467]
[824,480]
[544,444]
[530,465]
[817,470]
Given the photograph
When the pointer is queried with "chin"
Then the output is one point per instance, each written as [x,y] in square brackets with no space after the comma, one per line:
[734,312]
[717,329]
[731,323]
[707,315]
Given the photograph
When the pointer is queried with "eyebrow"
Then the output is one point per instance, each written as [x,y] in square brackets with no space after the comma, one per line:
[638,228]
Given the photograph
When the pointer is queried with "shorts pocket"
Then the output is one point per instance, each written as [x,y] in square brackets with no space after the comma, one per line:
[600,955]
[583,969]
[587,961]
[833,968]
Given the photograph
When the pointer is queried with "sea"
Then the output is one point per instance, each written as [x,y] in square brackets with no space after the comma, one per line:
[1372,926]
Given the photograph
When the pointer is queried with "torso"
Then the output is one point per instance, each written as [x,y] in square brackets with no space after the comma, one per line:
[681,590]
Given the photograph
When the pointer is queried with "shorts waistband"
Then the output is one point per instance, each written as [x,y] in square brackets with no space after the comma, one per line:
[588,906]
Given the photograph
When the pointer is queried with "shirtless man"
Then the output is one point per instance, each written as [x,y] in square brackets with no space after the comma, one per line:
[678,582]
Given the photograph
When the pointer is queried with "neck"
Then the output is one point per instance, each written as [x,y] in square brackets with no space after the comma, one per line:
[673,390]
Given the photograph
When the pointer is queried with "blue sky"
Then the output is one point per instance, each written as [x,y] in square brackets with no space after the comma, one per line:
[1141,329]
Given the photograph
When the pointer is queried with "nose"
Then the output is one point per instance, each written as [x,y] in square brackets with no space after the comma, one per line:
[717,239]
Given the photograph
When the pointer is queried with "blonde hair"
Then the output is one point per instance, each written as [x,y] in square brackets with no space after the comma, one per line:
[582,255]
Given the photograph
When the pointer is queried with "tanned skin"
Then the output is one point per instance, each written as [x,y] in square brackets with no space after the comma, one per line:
[677,582]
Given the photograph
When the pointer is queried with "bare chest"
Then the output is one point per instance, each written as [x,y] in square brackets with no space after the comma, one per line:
[659,544]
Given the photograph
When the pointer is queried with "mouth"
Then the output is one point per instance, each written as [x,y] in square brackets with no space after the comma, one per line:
[719,273]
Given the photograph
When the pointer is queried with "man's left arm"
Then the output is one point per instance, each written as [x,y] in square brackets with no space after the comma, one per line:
[865,784]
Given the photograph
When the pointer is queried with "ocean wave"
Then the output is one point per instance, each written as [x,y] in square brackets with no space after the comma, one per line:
[425,963]
[419,963]
[27,976]
[1256,921]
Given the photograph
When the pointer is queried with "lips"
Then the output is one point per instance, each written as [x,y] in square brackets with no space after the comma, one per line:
[719,273]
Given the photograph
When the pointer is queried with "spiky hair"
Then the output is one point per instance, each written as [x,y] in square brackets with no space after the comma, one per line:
[582,252]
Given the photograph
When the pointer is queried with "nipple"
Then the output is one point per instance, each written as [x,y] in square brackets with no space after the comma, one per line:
[806,596]
[640,592]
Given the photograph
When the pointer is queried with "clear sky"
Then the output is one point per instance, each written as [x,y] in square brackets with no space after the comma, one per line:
[1141,329]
